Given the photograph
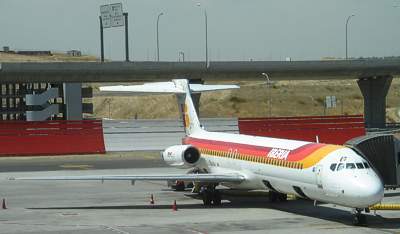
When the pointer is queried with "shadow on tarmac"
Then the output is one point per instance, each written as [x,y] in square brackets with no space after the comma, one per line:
[298,207]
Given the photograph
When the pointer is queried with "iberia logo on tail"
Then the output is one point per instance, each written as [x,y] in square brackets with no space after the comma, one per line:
[185,117]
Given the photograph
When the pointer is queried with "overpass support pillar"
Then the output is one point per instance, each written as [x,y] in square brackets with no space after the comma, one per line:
[72,101]
[374,90]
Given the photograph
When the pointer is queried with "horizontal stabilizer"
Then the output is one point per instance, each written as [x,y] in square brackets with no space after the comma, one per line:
[165,88]
[197,88]
[155,88]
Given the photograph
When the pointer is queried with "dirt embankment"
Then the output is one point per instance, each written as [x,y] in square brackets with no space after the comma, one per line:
[288,98]
[55,57]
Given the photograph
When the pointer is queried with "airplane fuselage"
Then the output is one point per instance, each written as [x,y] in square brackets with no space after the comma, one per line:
[322,172]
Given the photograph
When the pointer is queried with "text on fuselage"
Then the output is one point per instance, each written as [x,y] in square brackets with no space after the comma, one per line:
[281,154]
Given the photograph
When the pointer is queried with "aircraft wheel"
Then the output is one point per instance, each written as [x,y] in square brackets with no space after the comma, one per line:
[359,220]
[282,197]
[216,198]
[207,198]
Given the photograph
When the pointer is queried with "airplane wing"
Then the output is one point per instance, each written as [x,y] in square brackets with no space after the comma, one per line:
[211,178]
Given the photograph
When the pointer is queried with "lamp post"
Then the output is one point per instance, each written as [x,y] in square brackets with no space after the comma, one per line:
[206,25]
[158,43]
[269,93]
[347,23]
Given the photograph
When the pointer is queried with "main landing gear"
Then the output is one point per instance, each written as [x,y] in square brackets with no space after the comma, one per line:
[210,195]
[276,196]
[359,219]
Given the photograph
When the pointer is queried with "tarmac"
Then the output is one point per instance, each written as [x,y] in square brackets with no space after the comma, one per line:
[119,207]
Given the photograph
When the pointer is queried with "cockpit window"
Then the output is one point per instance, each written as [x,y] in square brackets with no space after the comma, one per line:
[350,166]
[333,166]
[366,165]
[340,166]
[360,166]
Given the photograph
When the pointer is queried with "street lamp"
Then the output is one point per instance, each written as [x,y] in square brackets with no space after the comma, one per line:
[347,23]
[108,101]
[205,19]
[269,82]
[158,43]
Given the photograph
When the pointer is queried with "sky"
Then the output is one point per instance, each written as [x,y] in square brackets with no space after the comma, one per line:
[237,29]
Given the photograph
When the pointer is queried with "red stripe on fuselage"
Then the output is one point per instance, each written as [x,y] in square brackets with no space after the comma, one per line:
[254,150]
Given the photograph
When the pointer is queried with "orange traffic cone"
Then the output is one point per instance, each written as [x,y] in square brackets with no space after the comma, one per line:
[174,207]
[3,205]
[151,199]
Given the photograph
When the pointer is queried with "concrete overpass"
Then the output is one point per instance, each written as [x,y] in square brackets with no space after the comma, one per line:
[151,71]
[373,76]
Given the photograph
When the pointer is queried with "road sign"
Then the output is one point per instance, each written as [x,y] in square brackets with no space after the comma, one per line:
[117,18]
[330,101]
[105,15]
[112,15]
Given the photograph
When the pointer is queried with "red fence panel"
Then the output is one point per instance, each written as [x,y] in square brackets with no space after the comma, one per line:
[19,138]
[329,129]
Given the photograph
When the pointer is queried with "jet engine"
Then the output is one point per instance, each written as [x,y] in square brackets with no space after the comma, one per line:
[182,156]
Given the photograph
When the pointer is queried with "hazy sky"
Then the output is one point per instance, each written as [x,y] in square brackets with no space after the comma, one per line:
[238,29]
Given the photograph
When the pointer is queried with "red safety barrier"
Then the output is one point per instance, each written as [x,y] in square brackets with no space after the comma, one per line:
[21,138]
[329,129]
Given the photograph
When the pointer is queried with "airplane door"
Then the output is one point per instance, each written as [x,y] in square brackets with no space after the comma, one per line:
[318,175]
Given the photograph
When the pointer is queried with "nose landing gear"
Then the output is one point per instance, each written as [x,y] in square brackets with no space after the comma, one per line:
[359,219]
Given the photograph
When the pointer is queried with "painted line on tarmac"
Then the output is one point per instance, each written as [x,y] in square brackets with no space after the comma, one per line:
[77,166]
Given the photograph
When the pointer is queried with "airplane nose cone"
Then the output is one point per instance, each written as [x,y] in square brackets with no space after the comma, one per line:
[371,191]
[363,191]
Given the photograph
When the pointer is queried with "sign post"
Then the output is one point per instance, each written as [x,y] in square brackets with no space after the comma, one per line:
[112,15]
[101,40]
[126,37]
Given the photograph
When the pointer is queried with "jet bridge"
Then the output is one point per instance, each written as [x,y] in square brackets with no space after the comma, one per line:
[383,152]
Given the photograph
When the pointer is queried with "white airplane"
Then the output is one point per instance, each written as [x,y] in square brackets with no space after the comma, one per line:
[320,172]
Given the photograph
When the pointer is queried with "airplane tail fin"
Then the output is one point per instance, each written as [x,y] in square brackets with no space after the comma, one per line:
[182,89]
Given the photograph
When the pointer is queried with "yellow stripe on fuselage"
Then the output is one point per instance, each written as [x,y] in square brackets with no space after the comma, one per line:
[319,154]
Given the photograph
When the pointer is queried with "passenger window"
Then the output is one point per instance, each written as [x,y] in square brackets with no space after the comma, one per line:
[360,166]
[340,166]
[366,165]
[350,166]
[333,166]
